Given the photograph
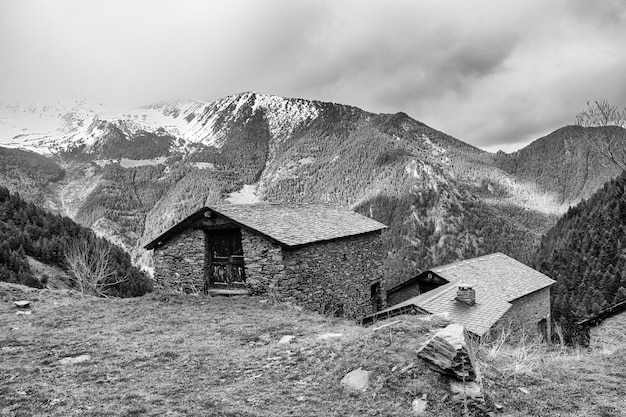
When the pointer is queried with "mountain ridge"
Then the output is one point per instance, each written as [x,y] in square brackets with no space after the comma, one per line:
[141,171]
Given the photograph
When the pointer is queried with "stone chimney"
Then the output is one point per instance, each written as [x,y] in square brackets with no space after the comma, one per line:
[466,294]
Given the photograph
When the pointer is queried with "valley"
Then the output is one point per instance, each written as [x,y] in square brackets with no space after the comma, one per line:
[132,174]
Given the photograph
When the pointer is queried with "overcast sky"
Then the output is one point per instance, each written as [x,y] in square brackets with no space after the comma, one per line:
[496,74]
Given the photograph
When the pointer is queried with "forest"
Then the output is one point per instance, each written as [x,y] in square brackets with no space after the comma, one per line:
[585,252]
[30,231]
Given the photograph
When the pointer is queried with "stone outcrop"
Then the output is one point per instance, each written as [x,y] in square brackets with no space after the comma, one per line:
[450,352]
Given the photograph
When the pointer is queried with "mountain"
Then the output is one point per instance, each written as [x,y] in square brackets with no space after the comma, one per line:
[564,163]
[132,174]
[585,252]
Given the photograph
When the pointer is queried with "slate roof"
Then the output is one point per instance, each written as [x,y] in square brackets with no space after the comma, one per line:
[289,224]
[299,224]
[497,280]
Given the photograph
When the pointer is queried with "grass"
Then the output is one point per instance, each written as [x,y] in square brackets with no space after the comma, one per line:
[531,378]
[175,355]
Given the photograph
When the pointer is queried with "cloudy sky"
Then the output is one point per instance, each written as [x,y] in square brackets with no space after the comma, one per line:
[497,74]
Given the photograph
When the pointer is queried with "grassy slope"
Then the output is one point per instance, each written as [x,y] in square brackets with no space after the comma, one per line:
[179,355]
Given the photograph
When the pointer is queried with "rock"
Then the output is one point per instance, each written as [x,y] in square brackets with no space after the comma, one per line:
[524,390]
[357,380]
[326,336]
[419,405]
[22,303]
[71,360]
[470,391]
[450,352]
[286,339]
[23,313]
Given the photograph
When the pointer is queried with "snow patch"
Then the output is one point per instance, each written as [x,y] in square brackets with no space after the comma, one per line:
[132,163]
[203,165]
[247,195]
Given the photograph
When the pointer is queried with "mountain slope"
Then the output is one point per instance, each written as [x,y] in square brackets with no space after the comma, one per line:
[27,231]
[585,252]
[133,174]
[564,162]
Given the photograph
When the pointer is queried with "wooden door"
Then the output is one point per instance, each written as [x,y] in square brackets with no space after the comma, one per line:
[224,254]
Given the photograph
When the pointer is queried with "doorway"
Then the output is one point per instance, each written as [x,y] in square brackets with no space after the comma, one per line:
[224,263]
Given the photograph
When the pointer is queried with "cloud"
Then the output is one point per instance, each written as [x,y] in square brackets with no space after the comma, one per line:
[489,72]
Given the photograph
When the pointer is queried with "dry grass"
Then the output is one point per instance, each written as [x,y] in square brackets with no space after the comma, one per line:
[530,378]
[173,355]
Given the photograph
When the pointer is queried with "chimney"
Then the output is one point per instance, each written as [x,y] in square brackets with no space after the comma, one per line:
[466,294]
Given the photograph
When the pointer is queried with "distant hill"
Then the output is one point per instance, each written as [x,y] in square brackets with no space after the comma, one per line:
[564,163]
[585,252]
[132,174]
[27,231]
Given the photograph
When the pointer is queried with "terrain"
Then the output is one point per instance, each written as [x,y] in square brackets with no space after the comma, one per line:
[180,355]
[130,175]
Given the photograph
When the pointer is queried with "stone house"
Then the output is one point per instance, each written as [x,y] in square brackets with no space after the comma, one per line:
[321,257]
[484,294]
[605,330]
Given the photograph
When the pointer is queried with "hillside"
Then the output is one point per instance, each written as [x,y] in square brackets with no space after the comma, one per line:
[78,355]
[132,174]
[584,252]
[564,163]
[31,236]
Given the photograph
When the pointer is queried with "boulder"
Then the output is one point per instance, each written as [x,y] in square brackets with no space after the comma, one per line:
[356,380]
[466,391]
[450,352]
[419,405]
[286,339]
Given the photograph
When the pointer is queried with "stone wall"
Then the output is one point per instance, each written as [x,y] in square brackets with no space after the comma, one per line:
[263,262]
[609,335]
[334,277]
[179,264]
[526,312]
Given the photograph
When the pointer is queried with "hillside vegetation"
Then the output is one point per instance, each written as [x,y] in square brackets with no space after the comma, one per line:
[176,355]
[27,230]
[564,162]
[585,252]
[28,173]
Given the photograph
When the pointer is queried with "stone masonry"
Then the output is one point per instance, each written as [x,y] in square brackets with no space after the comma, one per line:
[179,264]
[263,262]
[336,276]
[525,314]
[332,277]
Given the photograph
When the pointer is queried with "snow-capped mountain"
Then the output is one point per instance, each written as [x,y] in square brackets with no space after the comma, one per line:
[68,125]
[132,173]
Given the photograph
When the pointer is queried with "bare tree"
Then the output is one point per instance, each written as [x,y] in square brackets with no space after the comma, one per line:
[90,267]
[611,146]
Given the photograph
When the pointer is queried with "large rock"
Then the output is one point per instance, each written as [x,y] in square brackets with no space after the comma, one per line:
[450,352]
[357,380]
